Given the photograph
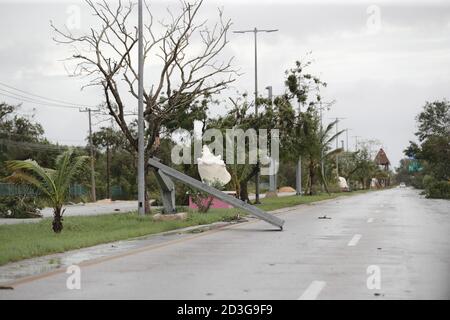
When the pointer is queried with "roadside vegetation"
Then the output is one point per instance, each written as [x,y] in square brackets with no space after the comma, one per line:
[27,240]
[51,184]
[177,104]
[427,162]
[35,173]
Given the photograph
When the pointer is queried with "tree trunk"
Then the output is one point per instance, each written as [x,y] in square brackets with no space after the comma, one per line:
[57,224]
[237,186]
[243,191]
[324,181]
[243,195]
[312,178]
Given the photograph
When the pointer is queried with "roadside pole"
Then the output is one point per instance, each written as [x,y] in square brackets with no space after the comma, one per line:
[91,145]
[141,169]
[273,173]
[298,182]
[255,32]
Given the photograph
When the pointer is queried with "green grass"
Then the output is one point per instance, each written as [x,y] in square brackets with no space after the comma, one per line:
[22,241]
[28,240]
[284,202]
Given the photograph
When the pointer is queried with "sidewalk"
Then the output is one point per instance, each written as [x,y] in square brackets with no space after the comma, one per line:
[91,209]
[88,209]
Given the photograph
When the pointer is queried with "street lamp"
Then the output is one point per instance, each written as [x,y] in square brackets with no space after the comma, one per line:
[255,32]
[141,164]
[322,108]
[356,142]
[273,175]
[337,144]
[346,136]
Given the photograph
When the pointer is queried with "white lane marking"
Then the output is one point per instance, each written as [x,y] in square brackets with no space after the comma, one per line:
[370,220]
[354,240]
[313,290]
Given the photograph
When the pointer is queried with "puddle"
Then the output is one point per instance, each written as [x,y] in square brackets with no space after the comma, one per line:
[105,250]
[39,265]
[24,268]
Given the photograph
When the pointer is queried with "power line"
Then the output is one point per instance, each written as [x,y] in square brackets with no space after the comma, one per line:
[31,100]
[45,98]
[53,105]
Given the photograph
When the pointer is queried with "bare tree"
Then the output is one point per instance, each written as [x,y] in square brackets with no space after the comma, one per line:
[188,53]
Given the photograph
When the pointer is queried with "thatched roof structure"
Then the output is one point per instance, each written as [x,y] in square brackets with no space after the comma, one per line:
[381,159]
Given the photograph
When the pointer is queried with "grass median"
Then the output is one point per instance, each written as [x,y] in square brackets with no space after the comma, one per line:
[27,240]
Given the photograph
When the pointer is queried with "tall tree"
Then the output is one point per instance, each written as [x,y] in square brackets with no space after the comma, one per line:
[188,53]
[307,139]
[434,136]
[434,120]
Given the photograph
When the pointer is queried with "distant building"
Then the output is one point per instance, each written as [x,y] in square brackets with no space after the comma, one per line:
[383,162]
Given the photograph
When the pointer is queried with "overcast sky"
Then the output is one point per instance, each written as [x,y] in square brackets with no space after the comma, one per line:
[382,60]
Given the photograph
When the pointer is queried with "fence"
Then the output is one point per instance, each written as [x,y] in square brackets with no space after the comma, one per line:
[10,190]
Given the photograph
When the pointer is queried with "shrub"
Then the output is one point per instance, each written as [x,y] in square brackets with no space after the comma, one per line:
[428,181]
[334,188]
[438,190]
[19,207]
[417,182]
[203,200]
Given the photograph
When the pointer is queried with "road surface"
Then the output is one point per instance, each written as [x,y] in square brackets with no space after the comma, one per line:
[392,244]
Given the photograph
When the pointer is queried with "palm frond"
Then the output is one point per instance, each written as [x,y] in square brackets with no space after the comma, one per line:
[62,163]
[53,183]
[19,177]
[71,171]
[32,166]
[333,137]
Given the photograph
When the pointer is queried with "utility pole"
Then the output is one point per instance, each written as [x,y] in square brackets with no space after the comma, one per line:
[93,193]
[322,165]
[108,162]
[273,174]
[141,164]
[356,142]
[322,161]
[346,137]
[298,170]
[337,144]
[298,180]
[255,32]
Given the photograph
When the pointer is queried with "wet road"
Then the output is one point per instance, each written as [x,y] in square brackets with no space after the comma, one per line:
[392,244]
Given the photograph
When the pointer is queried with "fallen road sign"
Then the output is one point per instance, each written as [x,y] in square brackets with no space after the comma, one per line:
[235,202]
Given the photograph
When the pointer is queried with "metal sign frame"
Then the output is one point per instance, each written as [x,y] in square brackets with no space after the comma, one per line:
[164,173]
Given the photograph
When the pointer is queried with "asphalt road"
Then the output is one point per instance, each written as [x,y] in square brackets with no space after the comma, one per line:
[395,238]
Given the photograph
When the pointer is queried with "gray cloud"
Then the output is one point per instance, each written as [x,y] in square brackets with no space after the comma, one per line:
[380,81]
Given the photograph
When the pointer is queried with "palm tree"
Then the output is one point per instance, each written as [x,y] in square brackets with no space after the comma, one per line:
[324,141]
[315,145]
[52,184]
